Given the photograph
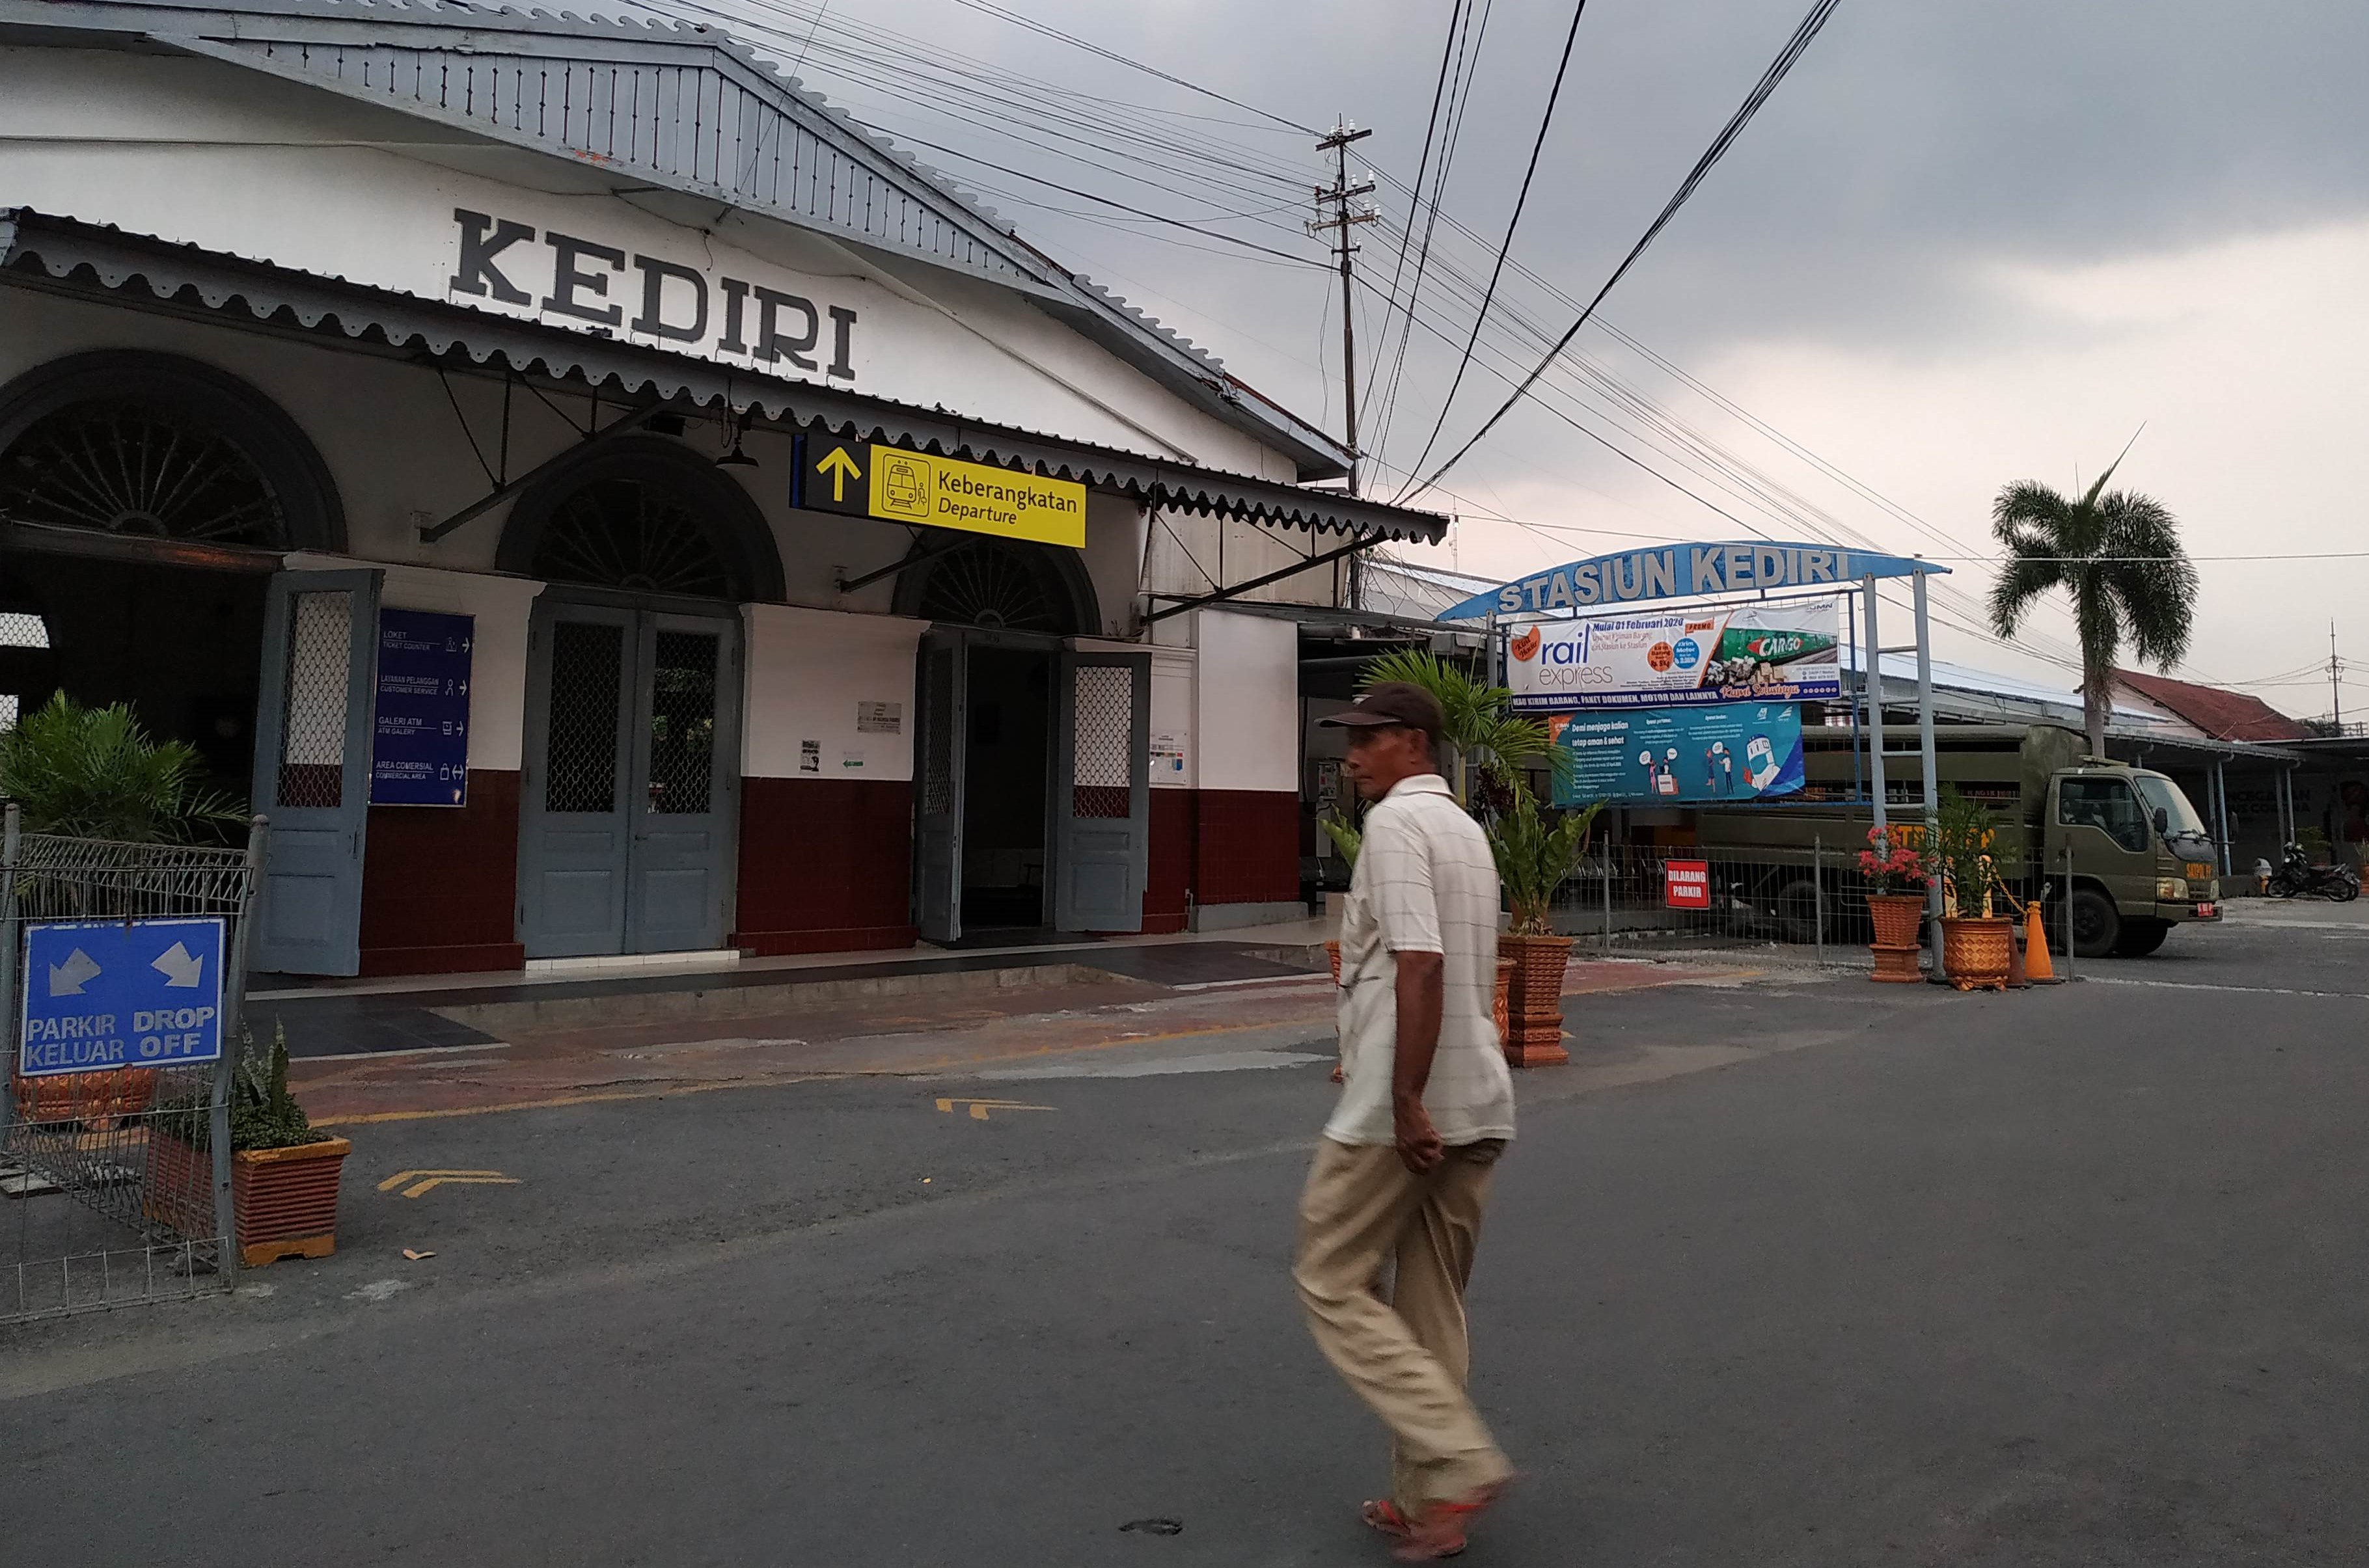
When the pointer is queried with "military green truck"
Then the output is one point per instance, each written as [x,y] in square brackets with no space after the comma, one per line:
[2142,861]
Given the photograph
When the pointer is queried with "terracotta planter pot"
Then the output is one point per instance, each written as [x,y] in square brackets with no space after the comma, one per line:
[87,1097]
[1897,917]
[1503,1009]
[285,1200]
[1898,966]
[1534,1010]
[1333,952]
[1975,951]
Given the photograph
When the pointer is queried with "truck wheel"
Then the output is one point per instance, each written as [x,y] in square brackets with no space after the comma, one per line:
[2097,923]
[1797,911]
[2141,937]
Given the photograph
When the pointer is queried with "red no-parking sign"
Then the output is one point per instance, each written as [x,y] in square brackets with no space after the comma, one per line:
[1686,884]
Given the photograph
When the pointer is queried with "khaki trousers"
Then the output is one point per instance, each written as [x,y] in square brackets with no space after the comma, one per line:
[1406,1354]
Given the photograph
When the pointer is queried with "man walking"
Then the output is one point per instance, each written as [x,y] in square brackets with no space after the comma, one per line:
[1426,1107]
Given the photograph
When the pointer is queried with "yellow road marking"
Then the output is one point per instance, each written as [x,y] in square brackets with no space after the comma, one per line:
[427,1181]
[978,1109]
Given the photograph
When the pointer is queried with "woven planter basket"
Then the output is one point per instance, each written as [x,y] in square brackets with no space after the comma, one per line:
[1898,916]
[1975,952]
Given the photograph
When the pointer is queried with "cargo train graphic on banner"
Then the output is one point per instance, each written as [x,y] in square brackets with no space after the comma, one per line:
[1774,652]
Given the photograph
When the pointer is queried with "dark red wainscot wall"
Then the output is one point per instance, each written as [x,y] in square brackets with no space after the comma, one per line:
[440,884]
[825,864]
[1219,846]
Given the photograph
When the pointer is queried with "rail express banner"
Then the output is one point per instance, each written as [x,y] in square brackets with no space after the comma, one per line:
[1764,652]
[1737,751]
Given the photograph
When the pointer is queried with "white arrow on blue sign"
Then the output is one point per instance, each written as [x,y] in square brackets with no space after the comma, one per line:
[102,993]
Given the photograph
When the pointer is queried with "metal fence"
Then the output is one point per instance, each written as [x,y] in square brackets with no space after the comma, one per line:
[112,1194]
[1811,899]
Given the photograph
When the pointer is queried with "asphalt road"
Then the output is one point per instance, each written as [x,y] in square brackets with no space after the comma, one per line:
[1850,1274]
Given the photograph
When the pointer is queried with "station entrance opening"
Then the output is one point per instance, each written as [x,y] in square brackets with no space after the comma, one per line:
[1032,810]
[144,501]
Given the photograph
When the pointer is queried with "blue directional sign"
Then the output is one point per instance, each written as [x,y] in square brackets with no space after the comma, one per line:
[419,735]
[102,993]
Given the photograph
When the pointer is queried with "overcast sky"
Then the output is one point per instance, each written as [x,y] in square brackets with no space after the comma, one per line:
[1965,243]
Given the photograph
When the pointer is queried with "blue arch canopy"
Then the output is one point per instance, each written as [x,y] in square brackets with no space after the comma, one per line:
[1685,571]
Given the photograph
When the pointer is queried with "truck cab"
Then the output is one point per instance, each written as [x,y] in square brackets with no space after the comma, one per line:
[2141,860]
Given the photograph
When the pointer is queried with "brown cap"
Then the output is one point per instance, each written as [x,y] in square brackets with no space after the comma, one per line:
[1393,702]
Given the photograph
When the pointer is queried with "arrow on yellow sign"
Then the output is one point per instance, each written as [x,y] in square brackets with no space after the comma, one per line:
[978,1109]
[842,468]
[424,1181]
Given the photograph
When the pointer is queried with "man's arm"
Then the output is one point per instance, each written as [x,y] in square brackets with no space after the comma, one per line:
[1422,990]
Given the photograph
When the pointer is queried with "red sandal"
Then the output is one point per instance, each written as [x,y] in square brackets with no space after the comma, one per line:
[1383,1515]
[1440,1531]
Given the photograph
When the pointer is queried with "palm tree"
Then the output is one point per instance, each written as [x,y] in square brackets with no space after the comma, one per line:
[2118,557]
[1482,725]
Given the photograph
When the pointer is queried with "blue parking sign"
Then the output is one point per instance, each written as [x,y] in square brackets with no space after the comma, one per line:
[102,993]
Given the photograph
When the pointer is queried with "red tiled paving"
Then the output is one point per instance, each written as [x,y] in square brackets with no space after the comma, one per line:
[905,1035]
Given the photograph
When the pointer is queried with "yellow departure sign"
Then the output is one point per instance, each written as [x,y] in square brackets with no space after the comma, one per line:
[864,479]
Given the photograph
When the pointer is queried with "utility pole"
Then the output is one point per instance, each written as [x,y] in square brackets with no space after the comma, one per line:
[1343,219]
[2335,690]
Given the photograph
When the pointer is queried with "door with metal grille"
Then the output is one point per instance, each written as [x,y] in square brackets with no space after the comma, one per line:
[312,768]
[1102,795]
[629,805]
[941,736]
[684,809]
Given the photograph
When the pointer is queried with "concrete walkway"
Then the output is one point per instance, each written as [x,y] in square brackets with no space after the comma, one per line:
[1007,1018]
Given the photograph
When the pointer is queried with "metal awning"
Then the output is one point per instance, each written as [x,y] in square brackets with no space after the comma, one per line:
[68,256]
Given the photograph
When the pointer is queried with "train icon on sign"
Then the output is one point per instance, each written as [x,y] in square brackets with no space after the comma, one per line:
[901,485]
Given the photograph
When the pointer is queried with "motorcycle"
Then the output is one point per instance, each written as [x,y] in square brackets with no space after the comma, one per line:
[2298,877]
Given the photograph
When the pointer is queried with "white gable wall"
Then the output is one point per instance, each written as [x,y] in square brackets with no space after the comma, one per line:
[234,161]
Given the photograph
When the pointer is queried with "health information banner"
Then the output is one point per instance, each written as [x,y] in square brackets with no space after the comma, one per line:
[1764,652]
[1737,751]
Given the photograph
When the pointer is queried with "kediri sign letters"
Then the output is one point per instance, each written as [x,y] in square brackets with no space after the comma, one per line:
[1685,571]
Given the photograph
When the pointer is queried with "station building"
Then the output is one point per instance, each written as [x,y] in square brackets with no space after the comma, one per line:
[595,499]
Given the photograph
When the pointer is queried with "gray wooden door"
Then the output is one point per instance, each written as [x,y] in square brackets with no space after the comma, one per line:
[312,768]
[629,807]
[941,741]
[683,812]
[1102,791]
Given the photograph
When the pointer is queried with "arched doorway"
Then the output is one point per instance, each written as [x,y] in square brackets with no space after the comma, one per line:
[1031,771]
[1000,586]
[629,813]
[145,499]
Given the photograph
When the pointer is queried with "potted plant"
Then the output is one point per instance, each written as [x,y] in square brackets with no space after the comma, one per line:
[1534,857]
[1897,873]
[1976,944]
[93,773]
[283,1173]
[1348,839]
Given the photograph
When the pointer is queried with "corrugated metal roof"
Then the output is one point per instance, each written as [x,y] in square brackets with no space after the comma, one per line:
[83,257]
[674,103]
[2223,715]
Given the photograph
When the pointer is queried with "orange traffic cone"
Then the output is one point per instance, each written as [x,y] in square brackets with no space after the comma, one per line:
[2037,969]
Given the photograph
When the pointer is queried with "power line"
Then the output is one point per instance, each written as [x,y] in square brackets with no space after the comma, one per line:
[1406,233]
[988,8]
[1489,295]
[1460,97]
[1796,47]
[1113,202]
